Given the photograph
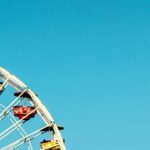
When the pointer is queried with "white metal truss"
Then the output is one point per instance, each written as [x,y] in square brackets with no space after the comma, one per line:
[19,128]
[25,139]
[10,79]
[7,109]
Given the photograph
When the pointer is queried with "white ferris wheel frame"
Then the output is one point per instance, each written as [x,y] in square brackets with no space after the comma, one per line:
[15,82]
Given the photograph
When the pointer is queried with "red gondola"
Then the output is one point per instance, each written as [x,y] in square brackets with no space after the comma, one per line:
[24,112]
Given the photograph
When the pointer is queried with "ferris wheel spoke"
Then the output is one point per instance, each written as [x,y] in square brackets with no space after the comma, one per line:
[13,121]
[8,132]
[26,139]
[5,112]
[20,130]
[15,126]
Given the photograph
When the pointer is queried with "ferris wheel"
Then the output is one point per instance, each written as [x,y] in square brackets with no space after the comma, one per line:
[25,123]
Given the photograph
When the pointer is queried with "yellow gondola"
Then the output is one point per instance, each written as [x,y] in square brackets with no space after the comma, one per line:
[50,145]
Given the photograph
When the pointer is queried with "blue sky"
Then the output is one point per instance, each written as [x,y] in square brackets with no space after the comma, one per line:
[89,62]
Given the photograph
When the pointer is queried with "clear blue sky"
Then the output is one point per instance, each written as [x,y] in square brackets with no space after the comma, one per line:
[89,62]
